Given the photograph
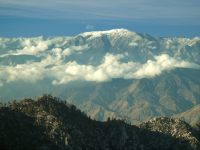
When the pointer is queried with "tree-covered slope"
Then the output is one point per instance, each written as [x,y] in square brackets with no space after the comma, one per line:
[48,123]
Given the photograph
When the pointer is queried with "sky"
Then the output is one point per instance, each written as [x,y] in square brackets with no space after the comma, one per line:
[70,17]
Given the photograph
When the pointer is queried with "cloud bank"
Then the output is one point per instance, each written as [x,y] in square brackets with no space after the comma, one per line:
[59,61]
[52,67]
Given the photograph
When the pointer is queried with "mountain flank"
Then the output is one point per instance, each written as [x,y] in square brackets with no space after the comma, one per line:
[192,115]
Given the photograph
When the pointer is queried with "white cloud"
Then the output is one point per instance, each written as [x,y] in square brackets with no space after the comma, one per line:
[89,27]
[32,46]
[161,63]
[111,67]
[53,64]
[24,72]
[28,46]
[32,50]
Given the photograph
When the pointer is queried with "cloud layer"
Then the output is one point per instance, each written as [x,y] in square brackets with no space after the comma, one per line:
[170,10]
[60,60]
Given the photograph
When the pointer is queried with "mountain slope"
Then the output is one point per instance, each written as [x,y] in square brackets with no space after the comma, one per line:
[49,123]
[138,100]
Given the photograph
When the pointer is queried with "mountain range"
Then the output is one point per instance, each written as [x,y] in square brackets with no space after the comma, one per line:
[116,73]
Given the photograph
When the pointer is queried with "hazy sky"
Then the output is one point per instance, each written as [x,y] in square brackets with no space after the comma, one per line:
[68,17]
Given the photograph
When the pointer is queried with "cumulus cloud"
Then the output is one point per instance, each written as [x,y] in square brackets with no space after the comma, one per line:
[112,67]
[30,49]
[161,63]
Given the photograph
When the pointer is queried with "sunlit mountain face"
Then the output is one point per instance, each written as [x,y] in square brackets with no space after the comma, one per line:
[115,73]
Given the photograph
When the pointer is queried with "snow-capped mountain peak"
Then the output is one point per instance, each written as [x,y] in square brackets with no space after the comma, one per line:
[112,31]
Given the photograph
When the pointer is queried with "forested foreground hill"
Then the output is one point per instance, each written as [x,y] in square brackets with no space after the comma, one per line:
[49,123]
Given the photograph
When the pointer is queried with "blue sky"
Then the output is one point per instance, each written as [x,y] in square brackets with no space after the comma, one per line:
[69,17]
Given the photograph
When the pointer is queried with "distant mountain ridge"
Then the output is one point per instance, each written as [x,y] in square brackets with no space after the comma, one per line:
[116,73]
[191,115]
[49,123]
